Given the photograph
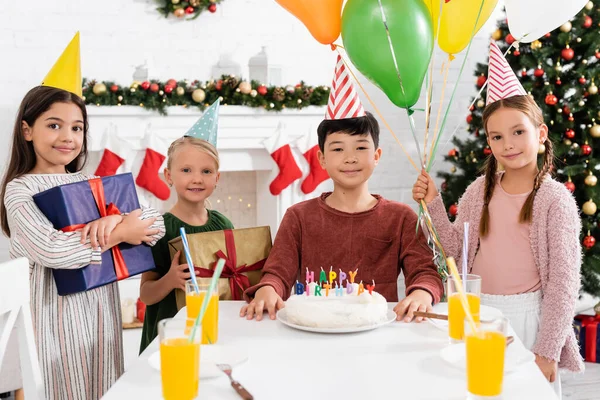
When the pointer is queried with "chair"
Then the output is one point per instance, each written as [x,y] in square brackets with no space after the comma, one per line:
[15,320]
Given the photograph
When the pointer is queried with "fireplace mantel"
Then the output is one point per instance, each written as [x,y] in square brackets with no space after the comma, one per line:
[241,132]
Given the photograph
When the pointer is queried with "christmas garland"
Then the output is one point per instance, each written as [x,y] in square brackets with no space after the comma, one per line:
[191,8]
[157,95]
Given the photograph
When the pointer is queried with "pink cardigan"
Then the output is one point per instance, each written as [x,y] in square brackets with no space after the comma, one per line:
[554,236]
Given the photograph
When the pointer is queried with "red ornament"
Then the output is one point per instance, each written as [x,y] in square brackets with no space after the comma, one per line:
[551,99]
[571,119]
[516,53]
[469,119]
[539,72]
[597,54]
[570,186]
[487,151]
[453,153]
[566,110]
[453,210]
[570,134]
[524,72]
[582,80]
[169,89]
[472,108]
[567,54]
[509,39]
[589,241]
[587,21]
[212,8]
[189,10]
[145,85]
[171,82]
[154,87]
[114,88]
[547,35]
[558,81]
[219,84]
[262,90]
[481,80]
[586,149]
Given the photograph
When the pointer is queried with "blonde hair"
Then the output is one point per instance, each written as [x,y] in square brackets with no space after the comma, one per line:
[529,107]
[199,144]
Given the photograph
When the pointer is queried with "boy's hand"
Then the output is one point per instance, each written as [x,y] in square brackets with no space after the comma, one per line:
[265,299]
[424,188]
[176,277]
[99,230]
[548,367]
[417,300]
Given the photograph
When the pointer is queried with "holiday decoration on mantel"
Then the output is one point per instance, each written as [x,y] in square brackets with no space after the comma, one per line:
[231,90]
[561,72]
[188,10]
[279,148]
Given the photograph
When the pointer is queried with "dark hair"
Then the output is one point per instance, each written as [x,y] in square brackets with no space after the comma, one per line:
[22,157]
[529,107]
[366,125]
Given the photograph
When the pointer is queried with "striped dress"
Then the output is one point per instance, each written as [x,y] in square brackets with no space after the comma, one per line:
[79,336]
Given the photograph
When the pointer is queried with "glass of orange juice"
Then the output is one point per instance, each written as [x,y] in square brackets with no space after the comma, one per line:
[179,358]
[194,299]
[456,312]
[485,358]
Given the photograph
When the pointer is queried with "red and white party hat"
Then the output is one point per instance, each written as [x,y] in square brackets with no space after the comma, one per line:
[502,81]
[343,99]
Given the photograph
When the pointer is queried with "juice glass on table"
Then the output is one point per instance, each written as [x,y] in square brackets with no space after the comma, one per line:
[456,312]
[194,299]
[485,358]
[179,358]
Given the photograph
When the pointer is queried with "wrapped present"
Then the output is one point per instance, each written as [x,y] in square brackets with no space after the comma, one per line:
[245,252]
[587,331]
[70,207]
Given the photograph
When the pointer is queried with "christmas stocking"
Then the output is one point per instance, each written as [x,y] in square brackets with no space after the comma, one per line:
[309,146]
[116,151]
[148,176]
[279,148]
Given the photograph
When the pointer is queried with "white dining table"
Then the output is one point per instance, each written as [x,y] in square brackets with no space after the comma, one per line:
[397,361]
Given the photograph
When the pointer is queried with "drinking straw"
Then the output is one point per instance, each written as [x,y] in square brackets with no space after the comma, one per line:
[211,288]
[461,293]
[465,255]
[188,257]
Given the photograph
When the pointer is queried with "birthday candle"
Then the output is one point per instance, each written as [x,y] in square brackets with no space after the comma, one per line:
[299,288]
[342,277]
[307,289]
[352,275]
[371,287]
[310,276]
[332,275]
[327,286]
[361,288]
[318,291]
[339,290]
[323,276]
[349,288]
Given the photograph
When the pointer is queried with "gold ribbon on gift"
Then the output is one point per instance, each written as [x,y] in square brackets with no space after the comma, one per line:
[245,250]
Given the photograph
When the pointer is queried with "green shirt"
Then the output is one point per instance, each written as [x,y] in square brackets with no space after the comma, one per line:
[167,307]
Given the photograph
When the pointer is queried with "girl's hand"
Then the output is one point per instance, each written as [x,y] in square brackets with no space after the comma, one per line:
[548,367]
[99,230]
[424,188]
[176,277]
[135,231]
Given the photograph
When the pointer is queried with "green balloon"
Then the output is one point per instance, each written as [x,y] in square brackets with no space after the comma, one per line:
[366,42]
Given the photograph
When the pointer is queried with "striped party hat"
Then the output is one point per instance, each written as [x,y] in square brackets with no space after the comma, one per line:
[502,81]
[343,99]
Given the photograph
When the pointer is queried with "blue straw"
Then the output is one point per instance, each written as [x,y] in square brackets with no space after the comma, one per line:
[188,257]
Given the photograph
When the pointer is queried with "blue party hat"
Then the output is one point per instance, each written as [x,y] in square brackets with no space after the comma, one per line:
[206,127]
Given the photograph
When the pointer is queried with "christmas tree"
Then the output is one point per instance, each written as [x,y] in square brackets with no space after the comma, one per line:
[560,71]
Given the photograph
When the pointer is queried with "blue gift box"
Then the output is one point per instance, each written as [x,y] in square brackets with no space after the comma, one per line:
[71,206]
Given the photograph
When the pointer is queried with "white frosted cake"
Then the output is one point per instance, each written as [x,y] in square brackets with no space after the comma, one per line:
[341,311]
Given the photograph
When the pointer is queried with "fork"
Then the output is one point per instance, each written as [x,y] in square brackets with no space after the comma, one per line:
[244,394]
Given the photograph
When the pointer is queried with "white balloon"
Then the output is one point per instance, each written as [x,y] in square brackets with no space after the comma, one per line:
[529,20]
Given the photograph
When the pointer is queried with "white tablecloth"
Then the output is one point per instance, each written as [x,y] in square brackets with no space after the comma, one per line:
[398,361]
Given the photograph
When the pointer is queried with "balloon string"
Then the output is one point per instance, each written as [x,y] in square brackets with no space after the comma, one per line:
[445,70]
[389,128]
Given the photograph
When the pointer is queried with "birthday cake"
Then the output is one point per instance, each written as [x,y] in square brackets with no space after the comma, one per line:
[319,305]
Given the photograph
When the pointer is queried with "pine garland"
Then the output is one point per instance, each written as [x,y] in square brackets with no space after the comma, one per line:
[190,8]
[157,95]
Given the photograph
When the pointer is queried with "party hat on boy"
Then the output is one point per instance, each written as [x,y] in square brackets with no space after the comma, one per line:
[502,81]
[206,127]
[66,72]
[343,98]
